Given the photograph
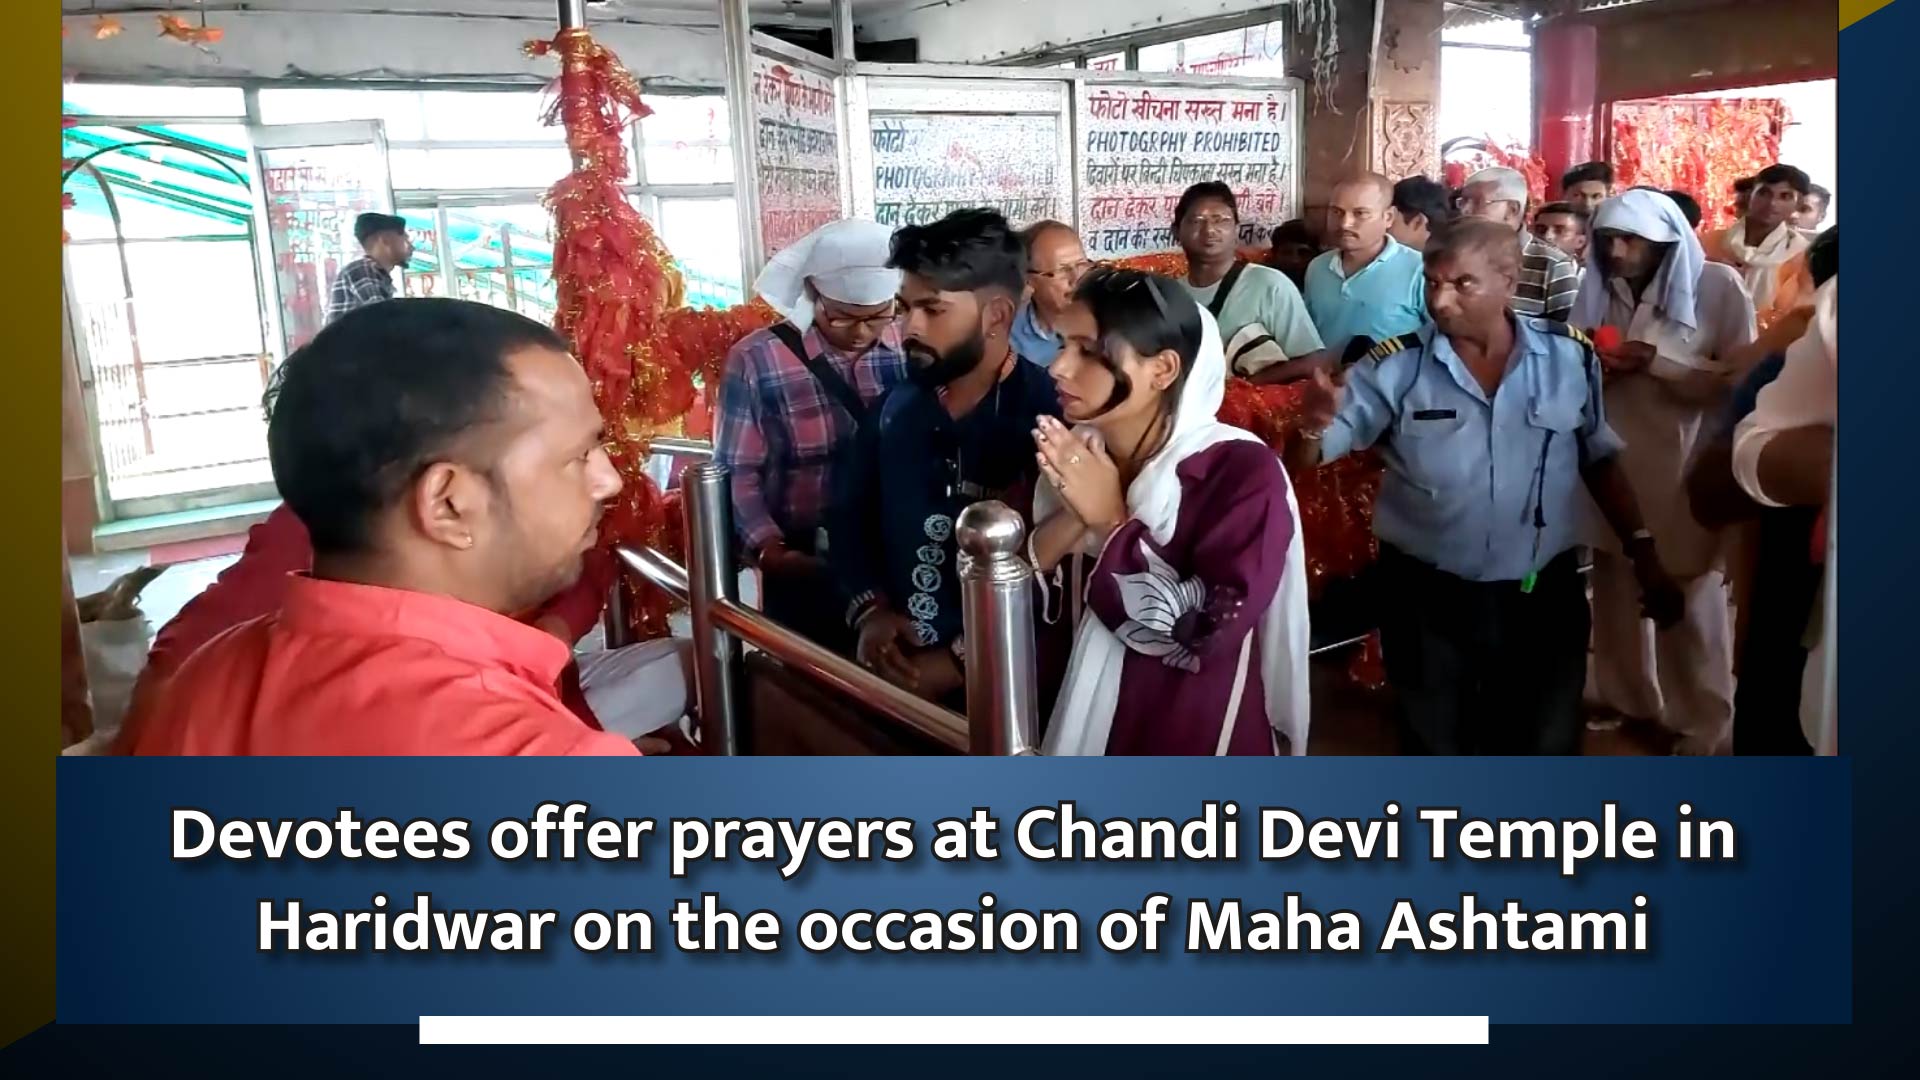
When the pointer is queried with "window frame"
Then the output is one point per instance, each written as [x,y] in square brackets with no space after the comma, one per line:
[435,200]
[1081,52]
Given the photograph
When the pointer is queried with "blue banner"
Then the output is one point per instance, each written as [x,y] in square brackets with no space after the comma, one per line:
[1762,936]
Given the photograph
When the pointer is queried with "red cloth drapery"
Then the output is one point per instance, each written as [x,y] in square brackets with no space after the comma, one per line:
[1696,145]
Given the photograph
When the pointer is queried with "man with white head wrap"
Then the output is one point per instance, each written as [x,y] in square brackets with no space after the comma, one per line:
[1549,278]
[1671,322]
[792,399]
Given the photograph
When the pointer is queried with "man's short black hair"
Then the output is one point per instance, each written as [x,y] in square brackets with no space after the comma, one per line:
[1587,173]
[358,412]
[1689,206]
[1428,198]
[1823,256]
[1815,191]
[1794,178]
[368,226]
[1292,231]
[1205,189]
[966,251]
[1745,184]
[1563,208]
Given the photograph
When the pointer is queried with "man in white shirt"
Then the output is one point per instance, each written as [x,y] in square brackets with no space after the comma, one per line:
[1263,320]
[1680,319]
[1783,456]
[1764,238]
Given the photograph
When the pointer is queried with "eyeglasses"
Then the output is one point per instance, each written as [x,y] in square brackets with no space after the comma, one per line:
[1212,221]
[878,322]
[1067,273]
[1472,205]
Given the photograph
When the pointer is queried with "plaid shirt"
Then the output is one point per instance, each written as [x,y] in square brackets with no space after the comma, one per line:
[777,429]
[361,282]
[1549,280]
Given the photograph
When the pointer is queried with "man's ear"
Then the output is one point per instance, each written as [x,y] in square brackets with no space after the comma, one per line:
[1000,311]
[446,504]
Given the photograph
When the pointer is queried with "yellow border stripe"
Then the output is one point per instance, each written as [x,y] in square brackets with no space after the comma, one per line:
[1852,11]
[29,489]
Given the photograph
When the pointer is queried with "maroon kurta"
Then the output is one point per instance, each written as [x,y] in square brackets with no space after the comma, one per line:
[1194,604]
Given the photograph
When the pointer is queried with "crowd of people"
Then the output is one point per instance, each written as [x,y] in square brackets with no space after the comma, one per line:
[1600,433]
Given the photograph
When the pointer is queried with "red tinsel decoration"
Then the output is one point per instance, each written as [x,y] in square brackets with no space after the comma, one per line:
[615,283]
[621,304]
[1470,157]
[1697,145]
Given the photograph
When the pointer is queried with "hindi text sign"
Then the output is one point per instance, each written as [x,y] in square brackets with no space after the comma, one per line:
[927,165]
[796,135]
[1142,146]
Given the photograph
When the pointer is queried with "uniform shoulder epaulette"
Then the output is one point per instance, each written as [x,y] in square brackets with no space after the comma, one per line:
[1568,330]
[1383,349]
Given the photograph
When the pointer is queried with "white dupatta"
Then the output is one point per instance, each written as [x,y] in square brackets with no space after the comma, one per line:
[1083,715]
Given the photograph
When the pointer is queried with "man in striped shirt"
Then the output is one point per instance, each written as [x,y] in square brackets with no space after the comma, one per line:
[1549,278]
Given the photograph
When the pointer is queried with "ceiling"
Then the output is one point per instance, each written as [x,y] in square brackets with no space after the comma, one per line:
[625,10]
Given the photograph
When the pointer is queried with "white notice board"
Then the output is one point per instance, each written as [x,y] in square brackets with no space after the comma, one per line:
[930,146]
[1139,144]
[796,132]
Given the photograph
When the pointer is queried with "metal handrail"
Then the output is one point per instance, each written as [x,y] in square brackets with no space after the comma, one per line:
[613,620]
[821,665]
[674,446]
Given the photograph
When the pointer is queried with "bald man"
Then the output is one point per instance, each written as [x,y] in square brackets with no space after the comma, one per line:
[1056,262]
[1369,286]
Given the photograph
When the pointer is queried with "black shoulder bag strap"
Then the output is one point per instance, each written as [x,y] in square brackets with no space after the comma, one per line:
[1226,289]
[836,386]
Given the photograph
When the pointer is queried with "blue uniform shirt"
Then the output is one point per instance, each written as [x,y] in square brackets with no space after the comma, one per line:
[1032,342]
[1464,475]
[1383,299]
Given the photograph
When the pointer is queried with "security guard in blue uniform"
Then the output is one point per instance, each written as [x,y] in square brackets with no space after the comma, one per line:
[1489,425]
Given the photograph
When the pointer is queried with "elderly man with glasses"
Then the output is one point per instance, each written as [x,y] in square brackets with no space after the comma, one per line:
[1056,261]
[1549,278]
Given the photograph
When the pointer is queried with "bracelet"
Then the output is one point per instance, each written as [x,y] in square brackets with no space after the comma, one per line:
[1313,436]
[861,607]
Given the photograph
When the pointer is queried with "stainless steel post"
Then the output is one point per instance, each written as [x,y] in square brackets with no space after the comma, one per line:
[996,608]
[573,14]
[710,579]
[736,41]
[613,622]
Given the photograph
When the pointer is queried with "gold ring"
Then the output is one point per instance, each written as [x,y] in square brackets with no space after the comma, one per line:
[1074,460]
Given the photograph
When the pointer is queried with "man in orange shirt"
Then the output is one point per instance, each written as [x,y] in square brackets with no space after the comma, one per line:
[446,460]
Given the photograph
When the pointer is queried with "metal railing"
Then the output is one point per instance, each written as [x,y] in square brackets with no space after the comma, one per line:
[997,616]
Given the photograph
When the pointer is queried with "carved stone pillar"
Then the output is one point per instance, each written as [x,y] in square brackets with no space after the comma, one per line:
[1404,101]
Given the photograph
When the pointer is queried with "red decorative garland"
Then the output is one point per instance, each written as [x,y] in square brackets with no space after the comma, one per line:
[1697,145]
[622,305]
[1471,157]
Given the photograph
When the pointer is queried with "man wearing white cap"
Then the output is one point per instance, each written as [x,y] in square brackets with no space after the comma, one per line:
[1549,278]
[792,399]
[1681,320]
